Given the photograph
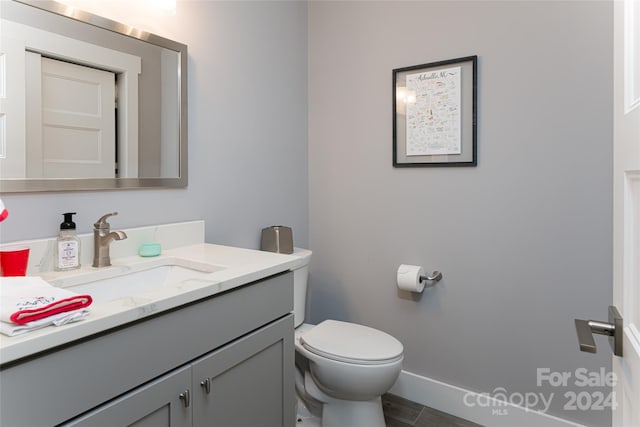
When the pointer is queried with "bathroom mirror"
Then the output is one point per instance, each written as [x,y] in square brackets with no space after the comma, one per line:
[87,103]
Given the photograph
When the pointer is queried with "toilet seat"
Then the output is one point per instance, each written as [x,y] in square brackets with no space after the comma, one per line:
[351,343]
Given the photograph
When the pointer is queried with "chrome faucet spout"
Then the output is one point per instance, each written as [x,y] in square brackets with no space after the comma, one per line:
[102,238]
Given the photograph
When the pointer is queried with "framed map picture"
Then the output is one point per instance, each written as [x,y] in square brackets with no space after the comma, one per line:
[434,114]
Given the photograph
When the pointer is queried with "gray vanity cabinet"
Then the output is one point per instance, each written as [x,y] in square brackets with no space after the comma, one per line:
[242,384]
[226,361]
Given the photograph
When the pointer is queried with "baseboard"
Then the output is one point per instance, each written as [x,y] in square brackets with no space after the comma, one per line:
[479,408]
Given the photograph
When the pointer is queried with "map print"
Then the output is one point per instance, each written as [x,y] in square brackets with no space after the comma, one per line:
[433,116]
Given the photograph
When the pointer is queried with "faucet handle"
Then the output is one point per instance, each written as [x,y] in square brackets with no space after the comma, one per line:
[102,222]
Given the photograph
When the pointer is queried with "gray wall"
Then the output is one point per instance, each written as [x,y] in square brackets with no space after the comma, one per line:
[247,133]
[523,239]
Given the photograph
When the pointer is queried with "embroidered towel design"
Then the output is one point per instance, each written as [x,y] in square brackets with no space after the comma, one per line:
[26,299]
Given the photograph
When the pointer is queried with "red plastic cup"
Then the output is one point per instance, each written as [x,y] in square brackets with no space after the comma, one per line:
[14,261]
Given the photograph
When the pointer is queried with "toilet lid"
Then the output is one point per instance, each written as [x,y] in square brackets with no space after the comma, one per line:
[351,343]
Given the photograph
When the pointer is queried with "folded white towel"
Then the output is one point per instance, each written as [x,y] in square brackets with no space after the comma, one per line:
[12,329]
[33,303]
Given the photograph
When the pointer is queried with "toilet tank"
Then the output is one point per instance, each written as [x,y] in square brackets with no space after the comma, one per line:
[300,281]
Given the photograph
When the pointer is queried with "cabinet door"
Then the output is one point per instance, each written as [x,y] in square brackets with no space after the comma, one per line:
[156,404]
[250,381]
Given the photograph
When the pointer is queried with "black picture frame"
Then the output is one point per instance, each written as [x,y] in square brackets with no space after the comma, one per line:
[448,137]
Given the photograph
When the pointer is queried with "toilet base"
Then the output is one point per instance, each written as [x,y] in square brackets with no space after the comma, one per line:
[316,409]
[350,413]
[305,417]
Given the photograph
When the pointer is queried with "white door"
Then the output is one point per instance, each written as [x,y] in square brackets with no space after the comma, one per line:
[626,207]
[75,136]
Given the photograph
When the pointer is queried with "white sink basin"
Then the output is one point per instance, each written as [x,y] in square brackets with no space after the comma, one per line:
[111,283]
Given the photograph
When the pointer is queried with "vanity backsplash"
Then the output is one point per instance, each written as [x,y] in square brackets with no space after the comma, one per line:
[173,235]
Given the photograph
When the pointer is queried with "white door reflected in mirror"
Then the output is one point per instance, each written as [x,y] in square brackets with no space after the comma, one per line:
[71,126]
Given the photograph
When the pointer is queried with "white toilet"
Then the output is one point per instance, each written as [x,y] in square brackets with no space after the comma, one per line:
[342,368]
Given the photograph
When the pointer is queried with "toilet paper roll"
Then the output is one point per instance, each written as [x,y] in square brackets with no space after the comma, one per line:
[409,278]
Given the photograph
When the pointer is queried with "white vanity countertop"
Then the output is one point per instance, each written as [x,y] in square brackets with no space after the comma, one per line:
[240,266]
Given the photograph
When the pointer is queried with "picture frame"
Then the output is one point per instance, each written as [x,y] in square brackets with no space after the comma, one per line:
[435,114]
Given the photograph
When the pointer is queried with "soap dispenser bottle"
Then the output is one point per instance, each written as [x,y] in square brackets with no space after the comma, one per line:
[67,249]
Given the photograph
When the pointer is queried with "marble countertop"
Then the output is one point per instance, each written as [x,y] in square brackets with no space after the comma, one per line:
[237,267]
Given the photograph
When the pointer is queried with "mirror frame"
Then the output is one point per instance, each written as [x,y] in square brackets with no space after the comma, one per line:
[20,185]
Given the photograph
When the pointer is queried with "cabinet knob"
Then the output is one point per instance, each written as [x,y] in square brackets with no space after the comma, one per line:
[206,384]
[186,398]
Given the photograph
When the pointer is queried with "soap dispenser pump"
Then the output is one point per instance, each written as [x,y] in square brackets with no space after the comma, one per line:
[67,250]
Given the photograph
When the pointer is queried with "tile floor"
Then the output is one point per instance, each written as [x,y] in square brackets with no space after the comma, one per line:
[399,412]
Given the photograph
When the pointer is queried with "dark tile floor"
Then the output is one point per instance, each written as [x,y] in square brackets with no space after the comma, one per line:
[399,412]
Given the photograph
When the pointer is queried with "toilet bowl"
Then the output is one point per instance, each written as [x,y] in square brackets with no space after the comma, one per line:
[342,368]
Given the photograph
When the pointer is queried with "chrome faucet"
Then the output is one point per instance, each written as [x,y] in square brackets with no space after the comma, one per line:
[102,238]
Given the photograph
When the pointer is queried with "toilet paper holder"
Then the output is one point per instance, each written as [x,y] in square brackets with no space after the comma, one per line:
[413,279]
[434,277]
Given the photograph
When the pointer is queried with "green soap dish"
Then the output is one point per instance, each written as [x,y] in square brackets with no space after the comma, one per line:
[149,249]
